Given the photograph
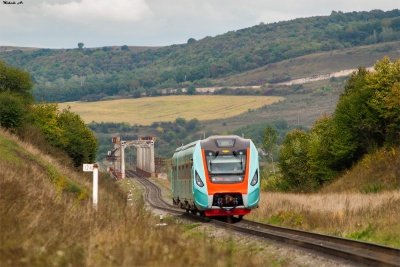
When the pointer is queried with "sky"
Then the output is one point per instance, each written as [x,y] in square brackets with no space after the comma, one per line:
[98,23]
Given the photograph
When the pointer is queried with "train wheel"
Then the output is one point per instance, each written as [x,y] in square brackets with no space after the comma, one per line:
[240,217]
[229,219]
[202,213]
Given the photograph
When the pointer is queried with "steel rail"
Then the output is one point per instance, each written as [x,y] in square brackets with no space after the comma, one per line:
[352,250]
[153,193]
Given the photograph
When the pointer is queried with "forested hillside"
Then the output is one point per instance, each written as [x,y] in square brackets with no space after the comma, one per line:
[94,73]
[366,120]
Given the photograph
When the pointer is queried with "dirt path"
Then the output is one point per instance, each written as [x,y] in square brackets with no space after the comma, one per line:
[292,82]
[321,77]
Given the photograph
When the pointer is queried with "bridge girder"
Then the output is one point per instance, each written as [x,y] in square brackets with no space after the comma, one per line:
[145,154]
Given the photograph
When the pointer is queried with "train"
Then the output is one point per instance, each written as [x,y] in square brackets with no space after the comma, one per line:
[216,176]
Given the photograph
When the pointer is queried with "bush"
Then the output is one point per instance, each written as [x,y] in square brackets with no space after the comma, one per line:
[12,111]
[275,183]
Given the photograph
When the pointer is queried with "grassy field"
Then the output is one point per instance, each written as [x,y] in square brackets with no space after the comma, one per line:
[144,111]
[296,109]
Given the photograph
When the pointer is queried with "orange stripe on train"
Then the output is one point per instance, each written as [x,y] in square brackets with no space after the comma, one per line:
[226,188]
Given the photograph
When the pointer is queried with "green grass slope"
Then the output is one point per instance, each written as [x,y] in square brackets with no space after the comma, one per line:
[376,172]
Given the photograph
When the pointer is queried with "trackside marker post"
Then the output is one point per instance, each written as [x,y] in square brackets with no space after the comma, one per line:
[93,168]
[161,221]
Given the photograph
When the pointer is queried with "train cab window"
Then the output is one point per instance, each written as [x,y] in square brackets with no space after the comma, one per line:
[226,168]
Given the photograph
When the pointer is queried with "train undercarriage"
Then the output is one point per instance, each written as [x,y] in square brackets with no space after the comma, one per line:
[223,204]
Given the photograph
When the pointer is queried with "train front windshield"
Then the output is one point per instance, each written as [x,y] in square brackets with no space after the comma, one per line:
[226,168]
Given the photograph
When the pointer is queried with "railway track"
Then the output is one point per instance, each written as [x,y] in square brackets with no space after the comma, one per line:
[153,194]
[355,251]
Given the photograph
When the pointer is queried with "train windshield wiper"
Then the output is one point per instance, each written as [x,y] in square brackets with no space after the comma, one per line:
[241,158]
[210,161]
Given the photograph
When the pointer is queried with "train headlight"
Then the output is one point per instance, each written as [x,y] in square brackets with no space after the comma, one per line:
[254,181]
[199,182]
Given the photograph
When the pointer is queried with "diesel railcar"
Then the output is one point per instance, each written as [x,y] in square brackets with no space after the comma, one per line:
[217,176]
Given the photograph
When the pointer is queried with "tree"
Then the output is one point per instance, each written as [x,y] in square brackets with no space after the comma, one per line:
[80,45]
[82,144]
[15,96]
[16,81]
[320,156]
[385,100]
[66,131]
[191,40]
[45,116]
[12,110]
[192,125]
[352,120]
[269,143]
[125,48]
[191,90]
[293,161]
[368,113]
[180,121]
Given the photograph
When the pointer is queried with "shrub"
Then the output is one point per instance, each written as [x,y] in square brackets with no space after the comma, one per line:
[12,111]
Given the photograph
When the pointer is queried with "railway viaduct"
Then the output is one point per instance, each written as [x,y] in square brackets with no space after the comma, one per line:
[145,162]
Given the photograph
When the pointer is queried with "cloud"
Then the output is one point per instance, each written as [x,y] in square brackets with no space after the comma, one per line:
[98,10]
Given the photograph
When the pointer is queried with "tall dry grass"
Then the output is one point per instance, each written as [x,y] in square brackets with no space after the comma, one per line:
[368,217]
[44,223]
[364,203]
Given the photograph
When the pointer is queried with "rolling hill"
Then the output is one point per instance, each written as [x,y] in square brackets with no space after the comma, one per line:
[96,73]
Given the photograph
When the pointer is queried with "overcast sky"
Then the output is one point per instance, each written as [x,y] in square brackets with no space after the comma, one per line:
[98,23]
